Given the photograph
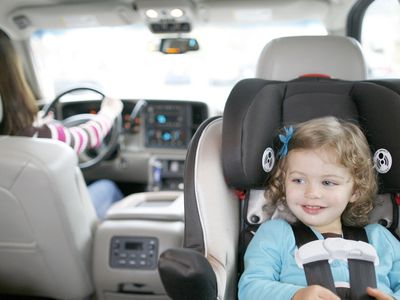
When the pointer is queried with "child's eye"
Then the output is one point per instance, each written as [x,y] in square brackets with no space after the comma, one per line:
[328,183]
[298,180]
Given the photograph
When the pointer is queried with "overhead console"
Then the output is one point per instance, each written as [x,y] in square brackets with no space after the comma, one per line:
[172,17]
[172,124]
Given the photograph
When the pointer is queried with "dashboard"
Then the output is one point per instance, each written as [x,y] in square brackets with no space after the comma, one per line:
[155,135]
[168,125]
[165,124]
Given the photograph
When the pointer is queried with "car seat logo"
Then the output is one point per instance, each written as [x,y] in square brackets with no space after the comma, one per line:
[268,159]
[382,161]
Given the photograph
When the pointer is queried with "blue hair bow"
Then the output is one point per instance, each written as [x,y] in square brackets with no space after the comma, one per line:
[285,140]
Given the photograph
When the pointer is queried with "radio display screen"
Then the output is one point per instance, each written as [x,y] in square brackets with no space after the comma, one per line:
[133,246]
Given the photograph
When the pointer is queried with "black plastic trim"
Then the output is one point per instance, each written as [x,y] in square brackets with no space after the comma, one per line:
[355,18]
[187,275]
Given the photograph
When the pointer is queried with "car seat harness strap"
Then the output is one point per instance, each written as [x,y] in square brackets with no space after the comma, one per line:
[314,255]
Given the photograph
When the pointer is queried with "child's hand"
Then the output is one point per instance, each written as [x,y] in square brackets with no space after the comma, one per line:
[377,294]
[315,292]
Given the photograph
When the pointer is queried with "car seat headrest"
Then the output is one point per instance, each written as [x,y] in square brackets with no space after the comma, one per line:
[287,58]
[256,109]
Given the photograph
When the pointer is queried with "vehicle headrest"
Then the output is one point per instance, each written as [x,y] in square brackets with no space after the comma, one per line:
[288,58]
[256,109]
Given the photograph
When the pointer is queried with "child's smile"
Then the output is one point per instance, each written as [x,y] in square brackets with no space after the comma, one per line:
[318,188]
[312,209]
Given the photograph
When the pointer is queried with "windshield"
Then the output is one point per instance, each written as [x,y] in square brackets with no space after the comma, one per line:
[125,62]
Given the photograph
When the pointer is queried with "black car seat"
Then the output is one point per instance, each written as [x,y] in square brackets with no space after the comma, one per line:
[223,170]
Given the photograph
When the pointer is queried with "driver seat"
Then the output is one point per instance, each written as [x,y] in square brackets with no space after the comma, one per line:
[47,221]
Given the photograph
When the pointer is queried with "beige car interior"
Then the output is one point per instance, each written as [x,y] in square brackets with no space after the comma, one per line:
[287,58]
[52,244]
[48,222]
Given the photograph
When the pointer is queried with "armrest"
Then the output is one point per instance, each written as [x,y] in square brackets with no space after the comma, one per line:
[164,206]
[186,274]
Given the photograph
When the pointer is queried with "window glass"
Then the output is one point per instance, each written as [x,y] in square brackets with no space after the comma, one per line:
[381,38]
[123,61]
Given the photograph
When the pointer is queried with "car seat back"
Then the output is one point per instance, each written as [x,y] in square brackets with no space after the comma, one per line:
[304,99]
[47,221]
[254,112]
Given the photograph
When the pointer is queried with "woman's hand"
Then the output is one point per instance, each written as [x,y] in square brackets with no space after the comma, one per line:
[111,107]
[377,294]
[41,120]
[315,292]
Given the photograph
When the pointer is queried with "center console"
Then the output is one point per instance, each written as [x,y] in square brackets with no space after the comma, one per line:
[171,125]
[140,227]
[165,173]
[128,243]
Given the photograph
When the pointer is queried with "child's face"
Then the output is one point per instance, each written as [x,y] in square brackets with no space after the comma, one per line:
[318,188]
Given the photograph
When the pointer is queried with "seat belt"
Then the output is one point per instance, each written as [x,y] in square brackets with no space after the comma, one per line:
[361,272]
[319,272]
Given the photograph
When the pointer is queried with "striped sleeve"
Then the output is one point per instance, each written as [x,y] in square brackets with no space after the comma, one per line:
[81,137]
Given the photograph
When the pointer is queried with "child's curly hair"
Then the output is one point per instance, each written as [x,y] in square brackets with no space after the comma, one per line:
[353,152]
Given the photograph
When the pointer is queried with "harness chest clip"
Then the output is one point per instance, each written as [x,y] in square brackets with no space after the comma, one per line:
[335,248]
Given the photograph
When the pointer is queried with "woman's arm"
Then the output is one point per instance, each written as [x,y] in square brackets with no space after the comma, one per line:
[84,136]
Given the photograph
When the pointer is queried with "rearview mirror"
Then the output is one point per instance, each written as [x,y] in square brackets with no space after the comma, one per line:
[178,45]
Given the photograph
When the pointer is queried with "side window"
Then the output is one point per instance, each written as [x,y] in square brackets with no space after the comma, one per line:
[380,38]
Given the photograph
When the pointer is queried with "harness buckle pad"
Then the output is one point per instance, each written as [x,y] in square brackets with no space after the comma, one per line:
[335,248]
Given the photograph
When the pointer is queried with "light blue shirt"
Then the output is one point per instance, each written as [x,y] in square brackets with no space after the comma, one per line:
[271,271]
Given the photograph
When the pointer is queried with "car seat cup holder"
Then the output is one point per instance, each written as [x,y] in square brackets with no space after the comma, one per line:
[335,248]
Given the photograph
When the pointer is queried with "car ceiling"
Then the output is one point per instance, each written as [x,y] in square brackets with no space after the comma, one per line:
[22,17]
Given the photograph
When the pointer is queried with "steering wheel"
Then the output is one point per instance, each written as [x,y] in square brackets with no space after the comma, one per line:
[89,157]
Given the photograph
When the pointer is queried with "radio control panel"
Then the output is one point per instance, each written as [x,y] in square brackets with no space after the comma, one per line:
[133,252]
[172,124]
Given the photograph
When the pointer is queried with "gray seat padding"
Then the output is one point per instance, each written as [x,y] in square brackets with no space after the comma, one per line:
[47,220]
